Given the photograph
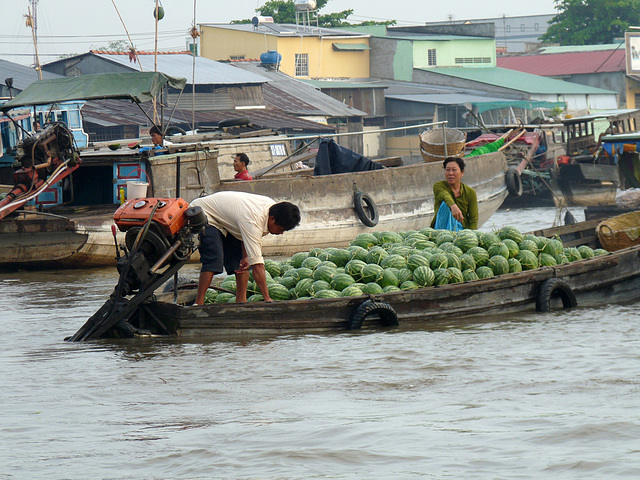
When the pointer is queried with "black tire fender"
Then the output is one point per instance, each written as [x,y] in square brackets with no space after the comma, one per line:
[514,182]
[369,219]
[168,286]
[175,130]
[388,316]
[234,122]
[554,287]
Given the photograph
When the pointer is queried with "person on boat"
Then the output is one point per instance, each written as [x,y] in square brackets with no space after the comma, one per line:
[240,163]
[157,138]
[233,237]
[460,198]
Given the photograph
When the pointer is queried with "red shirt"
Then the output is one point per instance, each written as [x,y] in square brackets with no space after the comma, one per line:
[243,175]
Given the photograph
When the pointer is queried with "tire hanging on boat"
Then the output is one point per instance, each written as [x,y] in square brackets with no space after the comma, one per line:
[514,182]
[369,219]
[554,287]
[388,316]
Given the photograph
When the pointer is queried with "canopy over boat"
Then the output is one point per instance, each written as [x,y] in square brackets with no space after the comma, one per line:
[135,86]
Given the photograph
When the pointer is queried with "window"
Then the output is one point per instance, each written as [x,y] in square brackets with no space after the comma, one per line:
[536,27]
[522,27]
[431,57]
[508,28]
[236,57]
[460,60]
[302,64]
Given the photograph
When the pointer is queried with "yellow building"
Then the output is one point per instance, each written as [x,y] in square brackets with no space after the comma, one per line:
[307,52]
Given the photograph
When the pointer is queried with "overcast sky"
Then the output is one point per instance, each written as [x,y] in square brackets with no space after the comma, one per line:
[75,26]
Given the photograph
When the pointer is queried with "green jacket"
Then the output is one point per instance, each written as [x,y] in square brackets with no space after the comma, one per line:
[467,202]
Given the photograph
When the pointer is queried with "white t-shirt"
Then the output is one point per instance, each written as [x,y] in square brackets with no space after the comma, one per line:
[243,215]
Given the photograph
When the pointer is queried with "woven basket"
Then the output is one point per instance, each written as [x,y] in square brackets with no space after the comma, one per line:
[619,232]
[432,144]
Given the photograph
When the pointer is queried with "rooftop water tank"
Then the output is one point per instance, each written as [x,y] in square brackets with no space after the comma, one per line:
[305,4]
[272,57]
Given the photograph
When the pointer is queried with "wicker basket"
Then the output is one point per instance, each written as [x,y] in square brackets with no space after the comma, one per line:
[619,232]
[432,144]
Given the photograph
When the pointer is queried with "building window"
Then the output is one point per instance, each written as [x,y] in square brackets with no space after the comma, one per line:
[461,60]
[536,27]
[508,28]
[236,57]
[431,57]
[302,64]
[522,27]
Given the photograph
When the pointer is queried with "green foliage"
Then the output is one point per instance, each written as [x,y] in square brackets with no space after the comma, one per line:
[589,22]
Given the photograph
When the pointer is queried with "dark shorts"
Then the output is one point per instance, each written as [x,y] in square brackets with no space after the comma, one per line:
[218,251]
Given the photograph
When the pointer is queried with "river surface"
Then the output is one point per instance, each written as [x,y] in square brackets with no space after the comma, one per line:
[552,395]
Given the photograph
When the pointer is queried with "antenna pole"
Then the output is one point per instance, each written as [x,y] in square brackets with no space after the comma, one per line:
[32,22]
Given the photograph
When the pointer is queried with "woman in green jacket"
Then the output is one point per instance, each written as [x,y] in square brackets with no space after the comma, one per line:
[461,198]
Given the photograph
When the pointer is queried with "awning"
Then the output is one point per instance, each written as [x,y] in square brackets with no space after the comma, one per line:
[16,118]
[135,86]
[526,104]
[350,47]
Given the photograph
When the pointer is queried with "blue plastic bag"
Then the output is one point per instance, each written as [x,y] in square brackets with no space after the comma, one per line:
[445,220]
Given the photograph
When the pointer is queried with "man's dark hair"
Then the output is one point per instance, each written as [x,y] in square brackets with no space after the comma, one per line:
[155,129]
[243,158]
[458,160]
[285,214]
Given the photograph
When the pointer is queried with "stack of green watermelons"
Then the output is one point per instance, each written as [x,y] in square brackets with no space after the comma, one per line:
[389,262]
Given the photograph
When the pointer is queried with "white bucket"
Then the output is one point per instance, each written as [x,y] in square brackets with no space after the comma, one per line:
[136,189]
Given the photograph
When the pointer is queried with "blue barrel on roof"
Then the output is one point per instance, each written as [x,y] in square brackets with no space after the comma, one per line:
[272,57]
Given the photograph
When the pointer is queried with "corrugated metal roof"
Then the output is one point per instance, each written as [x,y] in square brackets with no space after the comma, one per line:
[350,47]
[296,96]
[342,84]
[448,98]
[569,63]
[432,37]
[518,81]
[22,75]
[208,72]
[580,48]
[287,30]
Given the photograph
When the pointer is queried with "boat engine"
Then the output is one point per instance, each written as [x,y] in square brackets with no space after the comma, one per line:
[42,159]
[161,234]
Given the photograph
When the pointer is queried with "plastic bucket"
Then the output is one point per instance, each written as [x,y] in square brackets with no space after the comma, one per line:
[136,189]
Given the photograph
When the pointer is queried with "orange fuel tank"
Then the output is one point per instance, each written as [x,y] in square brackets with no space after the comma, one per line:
[170,215]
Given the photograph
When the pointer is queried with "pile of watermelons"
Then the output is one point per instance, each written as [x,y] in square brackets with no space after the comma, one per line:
[392,261]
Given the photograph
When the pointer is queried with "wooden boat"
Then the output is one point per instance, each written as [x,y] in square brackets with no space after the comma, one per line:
[396,198]
[610,278]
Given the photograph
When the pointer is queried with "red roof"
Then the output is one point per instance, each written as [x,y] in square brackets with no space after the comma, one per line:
[557,64]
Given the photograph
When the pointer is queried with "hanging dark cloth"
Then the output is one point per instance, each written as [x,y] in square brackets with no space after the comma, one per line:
[333,158]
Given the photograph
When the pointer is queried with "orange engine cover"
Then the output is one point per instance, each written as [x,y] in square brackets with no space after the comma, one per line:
[170,216]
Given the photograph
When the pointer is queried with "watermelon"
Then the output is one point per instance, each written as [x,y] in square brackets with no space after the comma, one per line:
[498,264]
[441,276]
[585,251]
[372,273]
[340,257]
[365,240]
[469,275]
[512,246]
[289,281]
[529,245]
[298,258]
[484,272]
[327,263]
[409,285]
[391,288]
[416,236]
[274,268]
[210,295]
[439,260]
[514,265]
[528,260]
[388,278]
[487,239]
[403,275]
[510,232]
[402,250]
[304,272]
[358,253]
[553,247]
[467,262]
[561,258]
[390,237]
[455,275]
[573,254]
[229,283]
[315,251]
[465,240]
[444,236]
[232,299]
[278,292]
[415,260]
[292,293]
[352,291]
[341,281]
[546,260]
[328,294]
[303,287]
[449,247]
[394,260]
[293,273]
[256,297]
[480,255]
[354,268]
[376,255]
[224,297]
[498,248]
[324,272]
[311,262]
[371,288]
[599,251]
[453,260]
[423,276]
[429,232]
[323,255]
[318,286]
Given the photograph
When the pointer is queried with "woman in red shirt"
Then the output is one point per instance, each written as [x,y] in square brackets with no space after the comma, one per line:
[240,163]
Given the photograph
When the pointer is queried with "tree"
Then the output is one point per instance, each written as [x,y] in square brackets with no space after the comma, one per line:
[588,22]
[284,11]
